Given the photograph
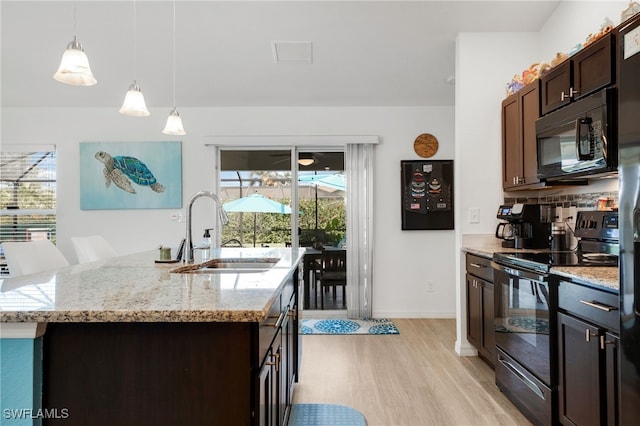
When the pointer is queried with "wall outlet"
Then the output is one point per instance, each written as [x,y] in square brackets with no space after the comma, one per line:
[431,287]
[572,215]
[177,217]
[474,215]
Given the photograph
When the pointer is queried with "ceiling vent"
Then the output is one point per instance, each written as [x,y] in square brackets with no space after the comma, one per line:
[292,52]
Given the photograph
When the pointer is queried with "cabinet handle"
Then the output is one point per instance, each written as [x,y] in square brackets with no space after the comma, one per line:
[572,93]
[598,305]
[477,265]
[277,361]
[524,379]
[588,335]
[291,313]
[604,342]
[278,322]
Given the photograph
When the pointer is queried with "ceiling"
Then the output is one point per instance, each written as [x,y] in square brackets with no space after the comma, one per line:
[365,53]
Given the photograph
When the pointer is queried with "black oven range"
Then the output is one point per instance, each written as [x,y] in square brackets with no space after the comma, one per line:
[525,303]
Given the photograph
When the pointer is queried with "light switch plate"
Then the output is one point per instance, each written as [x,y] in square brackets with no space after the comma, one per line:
[474,215]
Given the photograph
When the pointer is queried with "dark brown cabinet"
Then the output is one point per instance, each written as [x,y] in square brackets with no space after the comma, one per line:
[590,69]
[479,291]
[279,372]
[519,158]
[587,355]
[187,373]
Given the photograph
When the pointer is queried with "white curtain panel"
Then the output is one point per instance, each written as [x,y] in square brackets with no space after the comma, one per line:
[359,175]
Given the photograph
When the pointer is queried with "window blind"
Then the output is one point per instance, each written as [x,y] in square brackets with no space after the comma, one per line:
[27,193]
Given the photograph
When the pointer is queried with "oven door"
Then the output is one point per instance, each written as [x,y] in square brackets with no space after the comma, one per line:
[524,321]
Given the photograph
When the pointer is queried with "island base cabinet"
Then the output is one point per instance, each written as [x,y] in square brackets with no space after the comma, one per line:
[156,374]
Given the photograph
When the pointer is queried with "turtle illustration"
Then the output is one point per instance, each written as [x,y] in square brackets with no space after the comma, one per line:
[121,168]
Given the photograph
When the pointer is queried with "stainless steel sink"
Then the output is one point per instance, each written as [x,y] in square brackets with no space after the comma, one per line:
[230,266]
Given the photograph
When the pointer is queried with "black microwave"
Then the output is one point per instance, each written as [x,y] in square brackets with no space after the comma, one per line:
[578,140]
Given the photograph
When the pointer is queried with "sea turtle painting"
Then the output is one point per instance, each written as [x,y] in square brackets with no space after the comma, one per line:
[123,169]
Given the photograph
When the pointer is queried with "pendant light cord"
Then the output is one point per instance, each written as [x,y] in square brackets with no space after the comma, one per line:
[75,19]
[174,54]
[135,65]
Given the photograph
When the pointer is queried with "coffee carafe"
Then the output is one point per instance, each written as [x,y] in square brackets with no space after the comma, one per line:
[507,232]
[529,224]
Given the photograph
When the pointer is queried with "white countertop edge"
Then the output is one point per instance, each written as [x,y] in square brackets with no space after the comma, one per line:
[21,330]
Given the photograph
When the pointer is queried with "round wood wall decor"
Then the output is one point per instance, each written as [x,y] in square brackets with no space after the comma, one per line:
[426,145]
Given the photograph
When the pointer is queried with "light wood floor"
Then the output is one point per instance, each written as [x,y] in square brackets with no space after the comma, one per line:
[411,379]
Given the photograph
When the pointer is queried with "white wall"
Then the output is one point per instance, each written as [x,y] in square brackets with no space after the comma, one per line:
[399,256]
[485,62]
[572,22]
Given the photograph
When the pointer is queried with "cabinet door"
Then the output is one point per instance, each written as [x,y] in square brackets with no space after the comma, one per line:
[266,407]
[511,141]
[579,385]
[593,66]
[529,113]
[611,345]
[488,333]
[555,87]
[474,312]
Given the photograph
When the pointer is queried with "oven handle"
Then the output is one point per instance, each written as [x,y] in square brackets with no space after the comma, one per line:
[520,272]
[524,379]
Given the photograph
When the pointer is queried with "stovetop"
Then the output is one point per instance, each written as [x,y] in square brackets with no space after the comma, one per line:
[598,246]
[543,261]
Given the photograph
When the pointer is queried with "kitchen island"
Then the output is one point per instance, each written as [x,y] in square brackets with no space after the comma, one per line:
[128,341]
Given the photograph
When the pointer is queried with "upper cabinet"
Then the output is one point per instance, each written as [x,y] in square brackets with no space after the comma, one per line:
[519,159]
[590,69]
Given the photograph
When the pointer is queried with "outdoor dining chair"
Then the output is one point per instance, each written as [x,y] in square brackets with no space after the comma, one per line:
[333,273]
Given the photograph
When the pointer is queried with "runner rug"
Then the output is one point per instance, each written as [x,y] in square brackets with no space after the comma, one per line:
[325,415]
[348,326]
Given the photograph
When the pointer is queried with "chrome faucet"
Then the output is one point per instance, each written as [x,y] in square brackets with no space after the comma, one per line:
[222,216]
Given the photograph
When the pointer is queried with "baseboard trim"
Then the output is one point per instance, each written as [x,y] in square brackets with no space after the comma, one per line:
[465,349]
[427,315]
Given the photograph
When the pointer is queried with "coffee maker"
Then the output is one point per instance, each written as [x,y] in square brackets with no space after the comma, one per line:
[525,226]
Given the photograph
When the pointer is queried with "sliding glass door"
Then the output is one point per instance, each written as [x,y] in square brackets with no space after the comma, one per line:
[292,197]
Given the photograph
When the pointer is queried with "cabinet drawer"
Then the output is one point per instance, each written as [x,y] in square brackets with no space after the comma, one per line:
[268,328]
[593,305]
[480,267]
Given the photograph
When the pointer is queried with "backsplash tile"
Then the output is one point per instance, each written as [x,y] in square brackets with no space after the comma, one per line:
[587,201]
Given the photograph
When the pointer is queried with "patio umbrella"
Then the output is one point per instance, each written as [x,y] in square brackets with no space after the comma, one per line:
[333,182]
[256,203]
[330,183]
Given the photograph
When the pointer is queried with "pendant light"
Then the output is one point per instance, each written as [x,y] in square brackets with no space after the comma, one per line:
[74,67]
[174,122]
[134,104]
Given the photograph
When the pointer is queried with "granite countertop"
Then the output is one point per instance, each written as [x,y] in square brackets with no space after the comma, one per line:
[485,245]
[134,288]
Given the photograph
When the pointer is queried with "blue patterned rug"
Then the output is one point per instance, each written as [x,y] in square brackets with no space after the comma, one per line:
[325,415]
[348,326]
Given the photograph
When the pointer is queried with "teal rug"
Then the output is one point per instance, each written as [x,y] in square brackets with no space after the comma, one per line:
[325,415]
[348,326]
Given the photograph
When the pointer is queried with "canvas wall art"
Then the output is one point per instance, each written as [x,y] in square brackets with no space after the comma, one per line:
[130,175]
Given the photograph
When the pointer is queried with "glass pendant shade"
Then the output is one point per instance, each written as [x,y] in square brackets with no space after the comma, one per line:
[74,67]
[305,159]
[134,105]
[174,124]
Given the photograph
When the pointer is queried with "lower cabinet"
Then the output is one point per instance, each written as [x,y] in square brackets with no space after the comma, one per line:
[278,374]
[588,356]
[178,373]
[480,307]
